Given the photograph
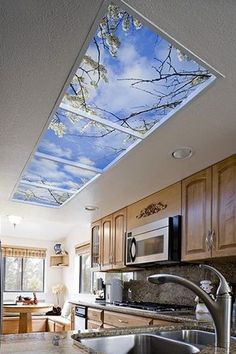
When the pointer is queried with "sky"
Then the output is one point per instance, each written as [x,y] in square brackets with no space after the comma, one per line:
[146,74]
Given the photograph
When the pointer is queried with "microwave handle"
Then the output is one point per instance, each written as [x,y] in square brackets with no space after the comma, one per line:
[132,247]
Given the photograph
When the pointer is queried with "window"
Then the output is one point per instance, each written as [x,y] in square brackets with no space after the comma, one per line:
[85,275]
[24,274]
[126,83]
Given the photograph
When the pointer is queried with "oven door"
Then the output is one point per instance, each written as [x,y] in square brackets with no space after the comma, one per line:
[147,247]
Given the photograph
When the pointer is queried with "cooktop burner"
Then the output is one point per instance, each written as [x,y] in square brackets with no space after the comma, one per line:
[153,306]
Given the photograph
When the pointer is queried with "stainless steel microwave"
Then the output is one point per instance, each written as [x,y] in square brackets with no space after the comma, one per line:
[156,242]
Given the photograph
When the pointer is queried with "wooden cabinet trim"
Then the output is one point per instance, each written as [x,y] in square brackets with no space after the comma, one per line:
[169,196]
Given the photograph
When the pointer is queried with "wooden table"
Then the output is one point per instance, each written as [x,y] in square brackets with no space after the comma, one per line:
[25,311]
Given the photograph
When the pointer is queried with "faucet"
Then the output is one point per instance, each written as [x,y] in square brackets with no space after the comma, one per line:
[220,308]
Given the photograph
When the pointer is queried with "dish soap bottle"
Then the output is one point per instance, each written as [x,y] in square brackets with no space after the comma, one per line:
[202,312]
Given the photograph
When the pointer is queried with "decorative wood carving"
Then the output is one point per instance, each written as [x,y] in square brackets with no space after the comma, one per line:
[151,209]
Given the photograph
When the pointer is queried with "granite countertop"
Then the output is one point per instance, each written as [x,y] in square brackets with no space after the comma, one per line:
[42,343]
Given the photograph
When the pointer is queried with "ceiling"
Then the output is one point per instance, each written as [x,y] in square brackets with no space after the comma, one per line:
[40,43]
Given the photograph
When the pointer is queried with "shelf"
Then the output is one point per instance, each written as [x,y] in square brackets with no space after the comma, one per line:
[59,260]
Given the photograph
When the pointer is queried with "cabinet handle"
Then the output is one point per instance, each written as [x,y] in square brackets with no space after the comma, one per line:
[207,240]
[212,239]
[122,321]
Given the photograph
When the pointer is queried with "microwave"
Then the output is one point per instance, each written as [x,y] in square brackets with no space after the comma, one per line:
[156,242]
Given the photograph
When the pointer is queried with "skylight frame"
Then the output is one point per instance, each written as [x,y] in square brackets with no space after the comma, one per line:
[197,92]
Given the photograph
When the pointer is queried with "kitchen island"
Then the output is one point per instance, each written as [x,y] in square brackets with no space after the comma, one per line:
[62,343]
[40,343]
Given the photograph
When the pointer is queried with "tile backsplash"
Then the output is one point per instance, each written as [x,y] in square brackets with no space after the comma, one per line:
[142,290]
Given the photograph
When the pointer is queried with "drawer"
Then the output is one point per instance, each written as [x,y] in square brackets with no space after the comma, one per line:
[95,314]
[122,320]
[93,324]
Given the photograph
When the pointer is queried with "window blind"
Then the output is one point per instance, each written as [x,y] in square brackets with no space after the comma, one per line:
[24,252]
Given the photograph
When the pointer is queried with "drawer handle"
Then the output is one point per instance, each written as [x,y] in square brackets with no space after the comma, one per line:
[122,321]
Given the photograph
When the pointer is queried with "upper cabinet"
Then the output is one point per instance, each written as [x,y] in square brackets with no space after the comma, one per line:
[209,212]
[96,246]
[208,218]
[108,242]
[162,204]
[196,216]
[224,208]
[118,237]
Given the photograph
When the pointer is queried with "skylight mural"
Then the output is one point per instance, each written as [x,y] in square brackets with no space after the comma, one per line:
[129,81]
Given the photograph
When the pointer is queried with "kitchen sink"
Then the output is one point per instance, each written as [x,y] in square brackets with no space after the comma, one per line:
[194,337]
[138,344]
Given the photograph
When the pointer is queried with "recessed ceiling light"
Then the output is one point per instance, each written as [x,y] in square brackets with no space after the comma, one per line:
[182,153]
[90,208]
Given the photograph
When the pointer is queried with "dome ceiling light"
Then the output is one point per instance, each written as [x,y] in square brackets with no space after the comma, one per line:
[182,153]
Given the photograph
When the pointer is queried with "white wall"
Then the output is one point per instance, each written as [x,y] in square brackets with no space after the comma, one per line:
[52,275]
[79,234]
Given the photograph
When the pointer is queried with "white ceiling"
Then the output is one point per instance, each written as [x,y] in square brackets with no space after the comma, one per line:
[40,42]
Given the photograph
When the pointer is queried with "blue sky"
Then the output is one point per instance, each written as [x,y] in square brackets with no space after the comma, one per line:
[132,87]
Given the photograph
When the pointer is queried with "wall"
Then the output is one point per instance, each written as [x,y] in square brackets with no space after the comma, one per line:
[142,290]
[79,234]
[52,275]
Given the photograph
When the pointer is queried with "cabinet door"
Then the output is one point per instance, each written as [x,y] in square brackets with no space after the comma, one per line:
[51,326]
[95,245]
[196,211]
[59,327]
[224,208]
[106,243]
[118,238]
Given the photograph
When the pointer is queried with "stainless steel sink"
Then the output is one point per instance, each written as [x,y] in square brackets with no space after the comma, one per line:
[138,344]
[195,337]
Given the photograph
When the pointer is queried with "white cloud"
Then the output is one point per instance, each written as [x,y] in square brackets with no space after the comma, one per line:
[86,161]
[79,172]
[118,95]
[56,150]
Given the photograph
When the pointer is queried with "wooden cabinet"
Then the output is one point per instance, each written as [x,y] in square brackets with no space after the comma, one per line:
[196,212]
[108,242]
[94,324]
[116,319]
[94,318]
[96,246]
[118,239]
[11,324]
[224,208]
[209,212]
[162,204]
[51,326]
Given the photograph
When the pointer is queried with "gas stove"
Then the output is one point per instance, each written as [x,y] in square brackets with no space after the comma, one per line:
[153,306]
